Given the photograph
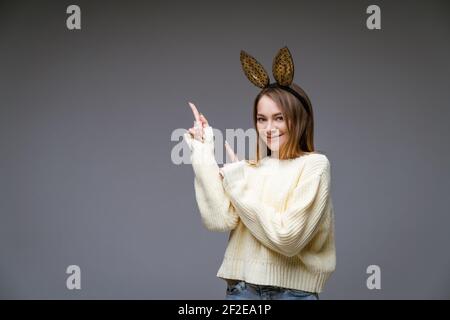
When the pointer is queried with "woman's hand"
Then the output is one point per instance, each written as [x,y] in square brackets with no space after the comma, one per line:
[200,123]
[197,132]
[232,156]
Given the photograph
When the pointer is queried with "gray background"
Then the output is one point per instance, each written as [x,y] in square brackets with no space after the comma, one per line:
[86,117]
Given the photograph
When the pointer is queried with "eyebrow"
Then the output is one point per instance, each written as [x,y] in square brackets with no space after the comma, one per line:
[276,114]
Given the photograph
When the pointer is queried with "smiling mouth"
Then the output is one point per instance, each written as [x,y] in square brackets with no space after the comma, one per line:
[269,138]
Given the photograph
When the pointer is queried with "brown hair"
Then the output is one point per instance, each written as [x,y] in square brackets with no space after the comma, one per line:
[300,123]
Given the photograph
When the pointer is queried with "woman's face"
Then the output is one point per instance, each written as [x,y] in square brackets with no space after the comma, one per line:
[271,123]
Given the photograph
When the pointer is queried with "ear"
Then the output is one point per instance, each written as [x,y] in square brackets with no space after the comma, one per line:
[283,67]
[254,71]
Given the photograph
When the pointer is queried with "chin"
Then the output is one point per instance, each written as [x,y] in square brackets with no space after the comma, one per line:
[274,146]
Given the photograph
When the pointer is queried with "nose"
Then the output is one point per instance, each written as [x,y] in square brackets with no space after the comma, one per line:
[271,129]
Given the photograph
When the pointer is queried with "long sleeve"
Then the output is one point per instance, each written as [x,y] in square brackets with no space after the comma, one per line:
[216,210]
[286,232]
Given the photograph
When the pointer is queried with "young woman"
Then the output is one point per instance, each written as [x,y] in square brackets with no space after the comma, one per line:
[277,208]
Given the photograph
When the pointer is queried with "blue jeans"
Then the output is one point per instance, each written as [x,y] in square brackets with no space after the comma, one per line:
[242,290]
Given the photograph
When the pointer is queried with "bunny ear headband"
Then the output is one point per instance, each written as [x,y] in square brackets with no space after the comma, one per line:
[282,69]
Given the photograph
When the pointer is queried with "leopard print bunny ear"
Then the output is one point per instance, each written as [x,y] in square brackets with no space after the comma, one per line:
[283,67]
[254,71]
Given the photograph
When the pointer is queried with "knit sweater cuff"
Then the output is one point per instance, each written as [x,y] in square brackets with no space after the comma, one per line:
[202,153]
[234,175]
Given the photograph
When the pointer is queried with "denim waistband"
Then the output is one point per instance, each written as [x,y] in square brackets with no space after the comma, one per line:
[259,287]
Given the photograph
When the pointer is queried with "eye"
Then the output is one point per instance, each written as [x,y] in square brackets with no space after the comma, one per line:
[280,118]
[260,119]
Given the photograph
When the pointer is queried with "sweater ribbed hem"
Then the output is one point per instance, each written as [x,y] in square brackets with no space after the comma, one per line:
[269,274]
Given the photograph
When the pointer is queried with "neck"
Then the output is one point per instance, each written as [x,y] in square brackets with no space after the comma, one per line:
[274,154]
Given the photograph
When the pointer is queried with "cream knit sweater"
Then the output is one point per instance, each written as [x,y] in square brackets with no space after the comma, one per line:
[279,213]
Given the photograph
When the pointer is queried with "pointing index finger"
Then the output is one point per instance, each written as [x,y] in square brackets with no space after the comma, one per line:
[230,152]
[195,112]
